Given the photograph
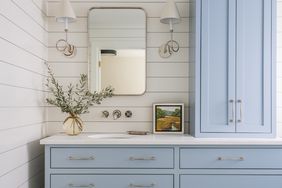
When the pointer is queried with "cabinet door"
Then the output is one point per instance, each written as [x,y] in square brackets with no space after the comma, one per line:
[230,181]
[218,65]
[254,59]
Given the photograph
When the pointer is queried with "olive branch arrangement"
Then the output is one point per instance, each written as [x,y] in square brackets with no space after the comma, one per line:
[77,98]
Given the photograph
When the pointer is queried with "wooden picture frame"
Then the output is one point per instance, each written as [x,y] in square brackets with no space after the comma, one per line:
[168,118]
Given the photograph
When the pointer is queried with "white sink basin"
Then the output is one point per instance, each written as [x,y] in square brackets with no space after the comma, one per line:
[110,136]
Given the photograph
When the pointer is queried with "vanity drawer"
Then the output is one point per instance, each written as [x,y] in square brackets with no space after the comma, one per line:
[209,158]
[112,181]
[112,157]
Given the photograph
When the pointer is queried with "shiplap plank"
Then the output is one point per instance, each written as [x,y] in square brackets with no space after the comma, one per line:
[80,25]
[69,69]
[181,56]
[279,40]
[20,58]
[279,70]
[279,100]
[16,96]
[26,79]
[279,8]
[115,127]
[42,5]
[279,24]
[168,69]
[153,69]
[153,25]
[167,85]
[13,138]
[37,181]
[23,173]
[11,11]
[279,115]
[12,33]
[152,9]
[139,114]
[279,85]
[27,153]
[77,39]
[152,55]
[34,13]
[153,39]
[56,56]
[24,116]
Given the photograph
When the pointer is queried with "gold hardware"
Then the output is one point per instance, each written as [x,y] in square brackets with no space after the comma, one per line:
[142,158]
[241,113]
[81,158]
[89,185]
[230,158]
[232,111]
[136,185]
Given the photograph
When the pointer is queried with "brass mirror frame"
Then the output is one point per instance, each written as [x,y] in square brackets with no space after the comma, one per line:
[89,49]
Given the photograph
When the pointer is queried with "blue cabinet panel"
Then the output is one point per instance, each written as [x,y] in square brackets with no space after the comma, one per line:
[231,181]
[217,66]
[254,41]
[112,181]
[103,157]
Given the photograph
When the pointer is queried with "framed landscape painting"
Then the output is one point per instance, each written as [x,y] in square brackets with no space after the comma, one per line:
[168,118]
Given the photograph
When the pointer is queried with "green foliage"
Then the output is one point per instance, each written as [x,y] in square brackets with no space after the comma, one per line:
[176,113]
[77,98]
[160,113]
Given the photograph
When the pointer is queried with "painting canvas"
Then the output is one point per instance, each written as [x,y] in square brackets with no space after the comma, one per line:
[168,118]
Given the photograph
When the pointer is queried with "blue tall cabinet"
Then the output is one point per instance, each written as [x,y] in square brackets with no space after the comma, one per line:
[234,47]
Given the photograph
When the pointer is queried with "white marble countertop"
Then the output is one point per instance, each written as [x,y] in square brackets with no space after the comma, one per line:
[124,139]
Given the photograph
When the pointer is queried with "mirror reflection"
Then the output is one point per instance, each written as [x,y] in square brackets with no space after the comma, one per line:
[117,48]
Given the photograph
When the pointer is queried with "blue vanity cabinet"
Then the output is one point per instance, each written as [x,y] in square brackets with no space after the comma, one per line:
[235,69]
[230,181]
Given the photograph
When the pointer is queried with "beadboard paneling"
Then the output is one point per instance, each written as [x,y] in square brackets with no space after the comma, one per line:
[23,41]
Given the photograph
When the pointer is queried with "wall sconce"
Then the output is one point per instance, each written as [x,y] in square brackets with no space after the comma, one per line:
[169,15]
[65,15]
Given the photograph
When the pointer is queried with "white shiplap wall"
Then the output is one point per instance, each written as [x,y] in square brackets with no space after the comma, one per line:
[167,79]
[23,46]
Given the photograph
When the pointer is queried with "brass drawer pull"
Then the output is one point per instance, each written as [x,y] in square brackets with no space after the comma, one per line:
[85,186]
[232,111]
[231,158]
[139,185]
[240,120]
[142,158]
[81,158]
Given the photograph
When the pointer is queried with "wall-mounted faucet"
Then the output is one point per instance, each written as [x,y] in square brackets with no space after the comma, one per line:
[105,113]
[116,114]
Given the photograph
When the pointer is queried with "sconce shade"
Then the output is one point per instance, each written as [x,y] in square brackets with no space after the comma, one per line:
[170,14]
[65,12]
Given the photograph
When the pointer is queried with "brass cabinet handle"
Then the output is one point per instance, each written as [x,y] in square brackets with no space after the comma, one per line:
[142,158]
[230,158]
[139,185]
[240,112]
[85,186]
[81,158]
[232,111]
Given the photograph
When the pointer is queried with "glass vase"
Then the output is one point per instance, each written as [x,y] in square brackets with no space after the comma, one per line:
[73,125]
